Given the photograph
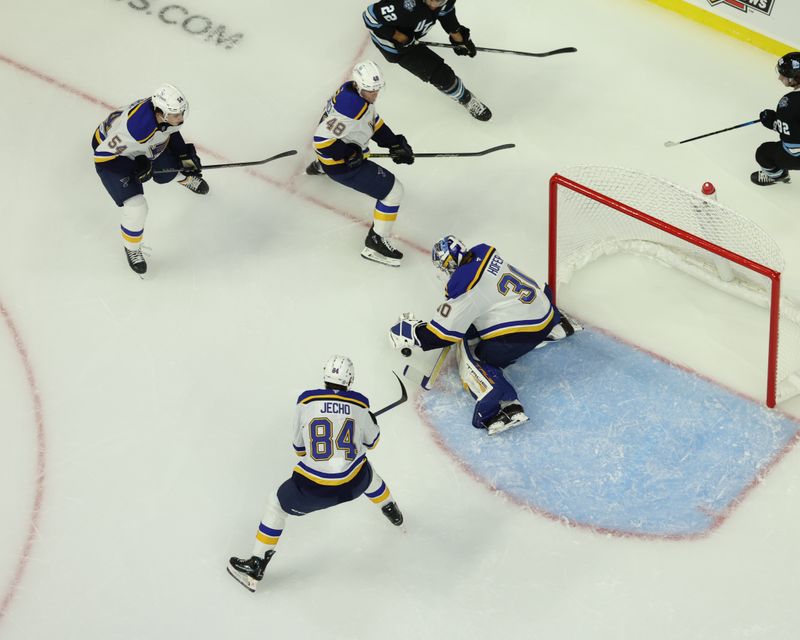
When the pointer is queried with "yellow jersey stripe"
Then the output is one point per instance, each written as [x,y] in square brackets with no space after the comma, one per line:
[441,335]
[328,482]
[485,264]
[331,396]
[362,112]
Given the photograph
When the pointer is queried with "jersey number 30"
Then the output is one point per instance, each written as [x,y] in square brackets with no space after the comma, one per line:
[516,283]
[320,430]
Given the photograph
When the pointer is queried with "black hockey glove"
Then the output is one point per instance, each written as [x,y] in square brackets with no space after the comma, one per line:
[402,47]
[142,168]
[465,48]
[354,160]
[767,117]
[401,152]
[190,163]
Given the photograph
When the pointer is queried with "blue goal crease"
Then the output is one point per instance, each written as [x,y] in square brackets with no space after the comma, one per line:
[619,440]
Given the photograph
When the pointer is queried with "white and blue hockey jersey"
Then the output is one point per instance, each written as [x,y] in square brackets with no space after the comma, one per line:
[132,131]
[490,294]
[333,431]
[348,120]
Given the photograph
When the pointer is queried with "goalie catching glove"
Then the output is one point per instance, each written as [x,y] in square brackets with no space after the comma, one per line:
[403,334]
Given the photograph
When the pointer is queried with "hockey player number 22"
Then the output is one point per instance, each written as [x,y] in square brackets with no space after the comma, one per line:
[320,430]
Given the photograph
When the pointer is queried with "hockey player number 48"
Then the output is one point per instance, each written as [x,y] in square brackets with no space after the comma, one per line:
[335,127]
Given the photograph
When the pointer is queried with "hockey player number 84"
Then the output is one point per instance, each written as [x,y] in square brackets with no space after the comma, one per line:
[320,431]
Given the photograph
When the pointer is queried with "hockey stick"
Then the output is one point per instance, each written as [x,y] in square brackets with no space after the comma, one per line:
[285,154]
[544,54]
[396,403]
[670,143]
[469,154]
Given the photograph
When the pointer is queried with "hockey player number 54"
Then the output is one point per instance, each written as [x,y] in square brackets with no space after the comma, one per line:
[320,431]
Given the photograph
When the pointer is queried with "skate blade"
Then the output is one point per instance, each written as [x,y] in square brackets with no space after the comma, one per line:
[369,254]
[517,420]
[246,581]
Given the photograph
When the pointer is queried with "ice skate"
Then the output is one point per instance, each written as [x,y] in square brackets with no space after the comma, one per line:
[393,513]
[249,572]
[315,168]
[765,178]
[509,417]
[136,261]
[379,249]
[476,108]
[195,183]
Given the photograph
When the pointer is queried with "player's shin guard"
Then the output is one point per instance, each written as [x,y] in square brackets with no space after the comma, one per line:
[270,527]
[386,210]
[379,493]
[134,215]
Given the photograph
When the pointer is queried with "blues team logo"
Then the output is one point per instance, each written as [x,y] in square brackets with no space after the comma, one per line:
[762,6]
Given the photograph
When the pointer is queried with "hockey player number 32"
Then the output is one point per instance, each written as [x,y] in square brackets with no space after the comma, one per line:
[320,430]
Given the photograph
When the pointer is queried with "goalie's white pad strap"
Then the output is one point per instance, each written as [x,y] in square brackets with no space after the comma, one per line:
[471,375]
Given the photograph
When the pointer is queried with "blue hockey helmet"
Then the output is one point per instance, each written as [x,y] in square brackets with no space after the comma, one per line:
[447,254]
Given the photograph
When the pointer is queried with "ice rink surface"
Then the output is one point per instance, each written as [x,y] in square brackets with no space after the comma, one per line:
[145,422]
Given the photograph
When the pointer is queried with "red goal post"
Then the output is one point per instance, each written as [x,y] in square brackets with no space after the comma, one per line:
[596,211]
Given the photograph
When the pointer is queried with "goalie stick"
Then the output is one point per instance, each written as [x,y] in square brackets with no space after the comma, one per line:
[285,154]
[396,403]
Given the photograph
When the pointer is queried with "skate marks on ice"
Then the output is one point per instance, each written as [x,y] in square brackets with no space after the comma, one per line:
[618,441]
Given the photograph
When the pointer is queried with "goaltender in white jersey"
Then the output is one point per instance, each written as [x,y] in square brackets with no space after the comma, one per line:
[495,314]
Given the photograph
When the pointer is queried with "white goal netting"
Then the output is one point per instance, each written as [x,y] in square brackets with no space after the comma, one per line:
[602,210]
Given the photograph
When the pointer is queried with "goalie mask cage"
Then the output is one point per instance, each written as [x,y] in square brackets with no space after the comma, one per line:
[597,211]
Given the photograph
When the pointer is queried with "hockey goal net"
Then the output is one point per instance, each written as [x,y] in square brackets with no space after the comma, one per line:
[597,211]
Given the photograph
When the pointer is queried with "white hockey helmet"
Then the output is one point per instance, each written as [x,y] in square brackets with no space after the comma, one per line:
[447,254]
[368,76]
[170,100]
[338,370]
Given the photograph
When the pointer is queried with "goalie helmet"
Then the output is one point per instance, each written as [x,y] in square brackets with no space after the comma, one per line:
[447,254]
[169,100]
[368,76]
[338,370]
[789,65]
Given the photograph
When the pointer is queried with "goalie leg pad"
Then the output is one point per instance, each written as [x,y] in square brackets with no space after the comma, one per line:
[485,383]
